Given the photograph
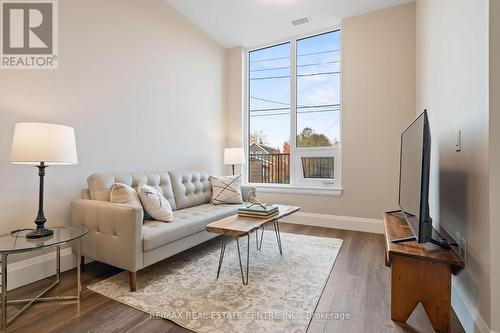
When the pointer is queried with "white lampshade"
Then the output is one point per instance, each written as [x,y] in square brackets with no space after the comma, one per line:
[52,144]
[234,156]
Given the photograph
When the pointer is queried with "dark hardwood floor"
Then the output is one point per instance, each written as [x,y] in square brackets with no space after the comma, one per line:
[359,285]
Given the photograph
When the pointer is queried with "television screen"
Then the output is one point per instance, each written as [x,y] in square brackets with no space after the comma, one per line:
[414,177]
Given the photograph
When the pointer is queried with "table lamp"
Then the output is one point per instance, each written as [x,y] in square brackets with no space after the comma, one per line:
[42,145]
[234,156]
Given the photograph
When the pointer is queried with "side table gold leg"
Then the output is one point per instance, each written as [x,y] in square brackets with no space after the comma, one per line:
[78,269]
[4,292]
[58,263]
[5,321]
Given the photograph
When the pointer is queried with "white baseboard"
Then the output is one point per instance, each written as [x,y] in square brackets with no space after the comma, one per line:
[26,271]
[337,222]
[467,313]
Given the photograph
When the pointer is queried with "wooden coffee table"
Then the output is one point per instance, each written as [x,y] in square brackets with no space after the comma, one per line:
[237,226]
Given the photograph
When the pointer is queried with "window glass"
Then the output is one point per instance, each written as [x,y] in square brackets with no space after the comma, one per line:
[269,115]
[318,90]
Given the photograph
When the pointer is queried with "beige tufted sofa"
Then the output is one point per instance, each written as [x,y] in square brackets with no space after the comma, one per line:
[119,235]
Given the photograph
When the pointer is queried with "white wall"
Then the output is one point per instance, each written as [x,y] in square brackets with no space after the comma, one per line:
[141,85]
[235,66]
[495,160]
[452,83]
[378,102]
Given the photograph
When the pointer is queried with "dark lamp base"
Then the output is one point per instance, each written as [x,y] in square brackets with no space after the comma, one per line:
[39,233]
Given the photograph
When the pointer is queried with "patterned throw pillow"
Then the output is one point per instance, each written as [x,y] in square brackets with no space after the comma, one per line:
[226,190]
[154,203]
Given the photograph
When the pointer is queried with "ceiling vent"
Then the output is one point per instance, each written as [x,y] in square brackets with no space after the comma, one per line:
[300,21]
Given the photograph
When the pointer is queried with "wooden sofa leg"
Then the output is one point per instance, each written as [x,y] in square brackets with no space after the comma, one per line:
[82,264]
[133,280]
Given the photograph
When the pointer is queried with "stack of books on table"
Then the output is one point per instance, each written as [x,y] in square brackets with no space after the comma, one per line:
[258,211]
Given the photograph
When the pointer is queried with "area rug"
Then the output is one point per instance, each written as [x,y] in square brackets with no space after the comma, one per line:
[281,295]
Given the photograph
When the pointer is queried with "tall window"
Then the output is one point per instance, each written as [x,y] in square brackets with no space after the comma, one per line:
[294,121]
[269,109]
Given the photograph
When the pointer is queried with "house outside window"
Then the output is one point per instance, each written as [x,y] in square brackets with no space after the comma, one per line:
[294,113]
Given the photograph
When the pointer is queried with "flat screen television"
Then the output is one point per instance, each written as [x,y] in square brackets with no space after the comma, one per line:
[414,172]
[414,177]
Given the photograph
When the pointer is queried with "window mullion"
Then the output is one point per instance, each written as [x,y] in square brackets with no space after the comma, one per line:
[293,111]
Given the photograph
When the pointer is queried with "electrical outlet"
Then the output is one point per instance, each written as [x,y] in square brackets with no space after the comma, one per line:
[458,142]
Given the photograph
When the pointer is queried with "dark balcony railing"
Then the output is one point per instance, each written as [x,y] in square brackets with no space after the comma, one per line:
[269,168]
[318,167]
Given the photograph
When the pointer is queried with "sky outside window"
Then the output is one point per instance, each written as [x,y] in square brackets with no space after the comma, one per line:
[269,100]
[318,92]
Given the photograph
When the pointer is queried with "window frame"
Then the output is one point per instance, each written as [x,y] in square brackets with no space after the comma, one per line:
[298,184]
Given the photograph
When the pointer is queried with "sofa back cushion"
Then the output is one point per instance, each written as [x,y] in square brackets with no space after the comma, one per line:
[191,188]
[100,183]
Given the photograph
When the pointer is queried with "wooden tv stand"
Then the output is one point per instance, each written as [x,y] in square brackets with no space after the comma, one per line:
[420,274]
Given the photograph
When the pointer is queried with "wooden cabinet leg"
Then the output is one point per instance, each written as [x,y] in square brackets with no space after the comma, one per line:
[403,287]
[428,282]
[133,281]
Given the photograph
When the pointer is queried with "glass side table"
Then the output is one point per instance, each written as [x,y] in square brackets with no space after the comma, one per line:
[10,244]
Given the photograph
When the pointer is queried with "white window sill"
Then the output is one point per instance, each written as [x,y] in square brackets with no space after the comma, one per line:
[291,189]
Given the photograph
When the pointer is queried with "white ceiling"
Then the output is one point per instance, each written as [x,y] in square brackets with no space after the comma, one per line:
[254,22]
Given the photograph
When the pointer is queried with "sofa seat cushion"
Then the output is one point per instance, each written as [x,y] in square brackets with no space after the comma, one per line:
[186,222]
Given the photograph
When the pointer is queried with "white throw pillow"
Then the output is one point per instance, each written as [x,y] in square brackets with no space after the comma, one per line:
[154,203]
[226,190]
[124,194]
